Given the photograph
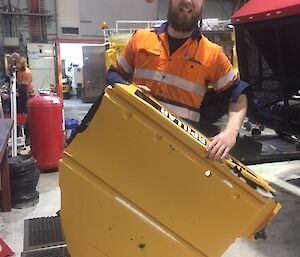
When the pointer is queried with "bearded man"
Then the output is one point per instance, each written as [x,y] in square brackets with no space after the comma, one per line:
[175,63]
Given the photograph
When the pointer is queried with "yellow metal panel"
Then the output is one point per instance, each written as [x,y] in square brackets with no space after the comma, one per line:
[137,182]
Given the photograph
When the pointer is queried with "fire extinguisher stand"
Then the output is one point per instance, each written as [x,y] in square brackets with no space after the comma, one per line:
[13,108]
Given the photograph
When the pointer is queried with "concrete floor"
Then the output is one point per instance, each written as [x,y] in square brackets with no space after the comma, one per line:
[283,234]
[75,109]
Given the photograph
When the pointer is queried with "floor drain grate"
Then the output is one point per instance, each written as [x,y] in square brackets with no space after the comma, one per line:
[49,252]
[42,232]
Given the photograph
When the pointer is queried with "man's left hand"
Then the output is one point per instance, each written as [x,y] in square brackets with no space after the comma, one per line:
[145,88]
[221,144]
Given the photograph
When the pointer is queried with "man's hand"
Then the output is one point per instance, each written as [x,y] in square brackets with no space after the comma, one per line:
[145,88]
[221,144]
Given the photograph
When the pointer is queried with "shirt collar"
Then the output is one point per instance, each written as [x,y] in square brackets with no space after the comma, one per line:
[196,35]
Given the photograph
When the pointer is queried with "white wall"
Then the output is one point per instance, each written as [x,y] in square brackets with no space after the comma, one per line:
[221,9]
[68,15]
[93,12]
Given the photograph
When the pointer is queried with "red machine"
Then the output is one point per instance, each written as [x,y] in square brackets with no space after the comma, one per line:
[257,10]
[45,121]
[268,50]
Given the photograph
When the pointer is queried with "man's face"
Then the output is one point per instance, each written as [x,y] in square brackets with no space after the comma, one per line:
[183,15]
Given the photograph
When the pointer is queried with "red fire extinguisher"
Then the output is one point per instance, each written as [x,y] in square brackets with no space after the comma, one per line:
[45,120]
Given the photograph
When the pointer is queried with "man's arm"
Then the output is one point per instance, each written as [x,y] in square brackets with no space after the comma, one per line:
[122,70]
[224,78]
[113,77]
[222,143]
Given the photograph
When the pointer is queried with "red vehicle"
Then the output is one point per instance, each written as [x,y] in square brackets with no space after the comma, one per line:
[267,40]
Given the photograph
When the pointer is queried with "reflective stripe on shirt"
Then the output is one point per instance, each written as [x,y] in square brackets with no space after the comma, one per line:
[223,82]
[182,112]
[170,80]
[125,66]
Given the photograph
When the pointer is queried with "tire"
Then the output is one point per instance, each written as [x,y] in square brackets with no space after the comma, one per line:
[24,177]
[21,162]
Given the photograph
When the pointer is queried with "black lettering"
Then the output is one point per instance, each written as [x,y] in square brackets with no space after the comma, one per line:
[194,134]
[185,127]
[203,140]
[171,117]
[164,112]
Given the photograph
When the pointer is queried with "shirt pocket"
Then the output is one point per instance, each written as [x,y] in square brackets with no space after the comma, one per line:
[147,58]
[196,71]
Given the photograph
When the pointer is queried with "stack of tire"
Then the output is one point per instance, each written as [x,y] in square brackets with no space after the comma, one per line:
[277,113]
[24,177]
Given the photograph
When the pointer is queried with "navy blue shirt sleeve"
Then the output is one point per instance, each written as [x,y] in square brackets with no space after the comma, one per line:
[237,89]
[113,77]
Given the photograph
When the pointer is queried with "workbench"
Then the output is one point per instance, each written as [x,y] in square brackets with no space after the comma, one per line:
[5,130]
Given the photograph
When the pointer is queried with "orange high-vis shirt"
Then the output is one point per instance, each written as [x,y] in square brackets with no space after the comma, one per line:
[25,77]
[179,80]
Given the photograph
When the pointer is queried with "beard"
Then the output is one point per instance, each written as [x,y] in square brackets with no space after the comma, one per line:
[180,22]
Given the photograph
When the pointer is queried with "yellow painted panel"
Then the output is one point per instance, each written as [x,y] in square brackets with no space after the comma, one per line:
[137,182]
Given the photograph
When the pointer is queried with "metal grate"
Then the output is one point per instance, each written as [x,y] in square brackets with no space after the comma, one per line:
[42,232]
[49,252]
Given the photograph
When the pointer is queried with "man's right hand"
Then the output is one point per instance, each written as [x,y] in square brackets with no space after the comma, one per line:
[145,88]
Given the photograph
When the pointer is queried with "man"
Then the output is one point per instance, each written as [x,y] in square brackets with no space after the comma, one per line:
[24,75]
[24,84]
[24,81]
[175,63]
